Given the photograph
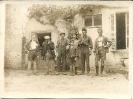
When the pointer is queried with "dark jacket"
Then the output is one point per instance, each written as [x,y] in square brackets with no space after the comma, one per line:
[61,45]
[72,52]
[86,41]
[48,47]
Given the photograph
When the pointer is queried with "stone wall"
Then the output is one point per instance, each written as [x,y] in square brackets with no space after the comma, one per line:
[16,18]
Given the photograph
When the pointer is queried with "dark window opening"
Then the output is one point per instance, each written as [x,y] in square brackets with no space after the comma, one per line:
[98,20]
[120,31]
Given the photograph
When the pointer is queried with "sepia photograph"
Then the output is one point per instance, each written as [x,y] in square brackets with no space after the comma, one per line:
[67,49]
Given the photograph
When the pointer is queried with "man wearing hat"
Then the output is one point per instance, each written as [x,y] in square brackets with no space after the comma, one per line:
[101,47]
[86,46]
[62,44]
[48,55]
[32,48]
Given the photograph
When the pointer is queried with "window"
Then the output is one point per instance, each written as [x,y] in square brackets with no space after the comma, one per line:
[122,31]
[88,21]
[95,20]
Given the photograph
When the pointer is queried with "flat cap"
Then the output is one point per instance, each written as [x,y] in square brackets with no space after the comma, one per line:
[62,33]
[99,30]
[47,37]
[84,29]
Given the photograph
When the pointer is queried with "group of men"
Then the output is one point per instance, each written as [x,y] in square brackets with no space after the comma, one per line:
[74,53]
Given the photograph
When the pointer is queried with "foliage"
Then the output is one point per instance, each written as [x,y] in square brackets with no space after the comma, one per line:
[53,12]
[67,13]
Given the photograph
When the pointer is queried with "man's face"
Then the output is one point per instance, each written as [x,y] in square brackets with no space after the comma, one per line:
[100,33]
[74,36]
[33,37]
[84,32]
[62,35]
[72,43]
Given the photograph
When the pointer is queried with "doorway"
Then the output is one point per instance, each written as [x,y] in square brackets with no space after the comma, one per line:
[121,31]
[41,39]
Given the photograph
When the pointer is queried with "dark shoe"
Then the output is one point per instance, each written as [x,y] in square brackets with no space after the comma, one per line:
[102,67]
[46,73]
[88,74]
[52,74]
[35,74]
[101,75]
[97,71]
[75,70]
[71,74]
[57,73]
[82,73]
[28,74]
[64,73]
[96,75]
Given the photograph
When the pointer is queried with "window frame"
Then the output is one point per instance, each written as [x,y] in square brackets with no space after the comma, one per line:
[92,17]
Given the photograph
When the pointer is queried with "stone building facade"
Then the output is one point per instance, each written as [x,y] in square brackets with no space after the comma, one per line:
[18,25]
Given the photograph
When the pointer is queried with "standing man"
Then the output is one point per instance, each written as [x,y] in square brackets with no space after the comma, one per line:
[62,44]
[48,54]
[86,46]
[72,54]
[32,48]
[101,47]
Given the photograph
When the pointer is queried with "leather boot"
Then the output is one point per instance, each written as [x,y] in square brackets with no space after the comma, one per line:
[75,70]
[97,71]
[102,67]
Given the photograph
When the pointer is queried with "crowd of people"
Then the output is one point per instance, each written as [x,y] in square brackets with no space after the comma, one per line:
[72,53]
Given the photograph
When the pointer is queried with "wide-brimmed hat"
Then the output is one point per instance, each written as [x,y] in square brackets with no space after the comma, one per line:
[99,30]
[62,33]
[47,37]
[84,29]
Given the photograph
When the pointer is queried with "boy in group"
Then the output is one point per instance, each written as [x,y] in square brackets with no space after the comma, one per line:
[72,57]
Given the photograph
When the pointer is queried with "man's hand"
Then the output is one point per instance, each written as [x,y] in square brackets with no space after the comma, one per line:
[67,47]
[27,52]
[90,51]
[57,55]
[106,46]
[37,57]
[94,53]
[56,58]
[42,57]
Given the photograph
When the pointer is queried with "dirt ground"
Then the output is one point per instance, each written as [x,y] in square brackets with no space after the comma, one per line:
[18,81]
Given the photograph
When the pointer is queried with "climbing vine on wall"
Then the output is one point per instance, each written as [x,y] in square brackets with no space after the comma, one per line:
[67,13]
[53,12]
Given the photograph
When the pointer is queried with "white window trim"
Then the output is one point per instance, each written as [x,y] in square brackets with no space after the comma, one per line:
[92,26]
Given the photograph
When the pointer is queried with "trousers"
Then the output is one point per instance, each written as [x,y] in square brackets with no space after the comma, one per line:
[34,66]
[61,59]
[85,58]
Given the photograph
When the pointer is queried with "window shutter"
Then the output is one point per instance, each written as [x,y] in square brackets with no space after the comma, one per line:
[113,32]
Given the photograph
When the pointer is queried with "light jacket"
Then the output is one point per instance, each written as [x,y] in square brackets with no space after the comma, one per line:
[105,41]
